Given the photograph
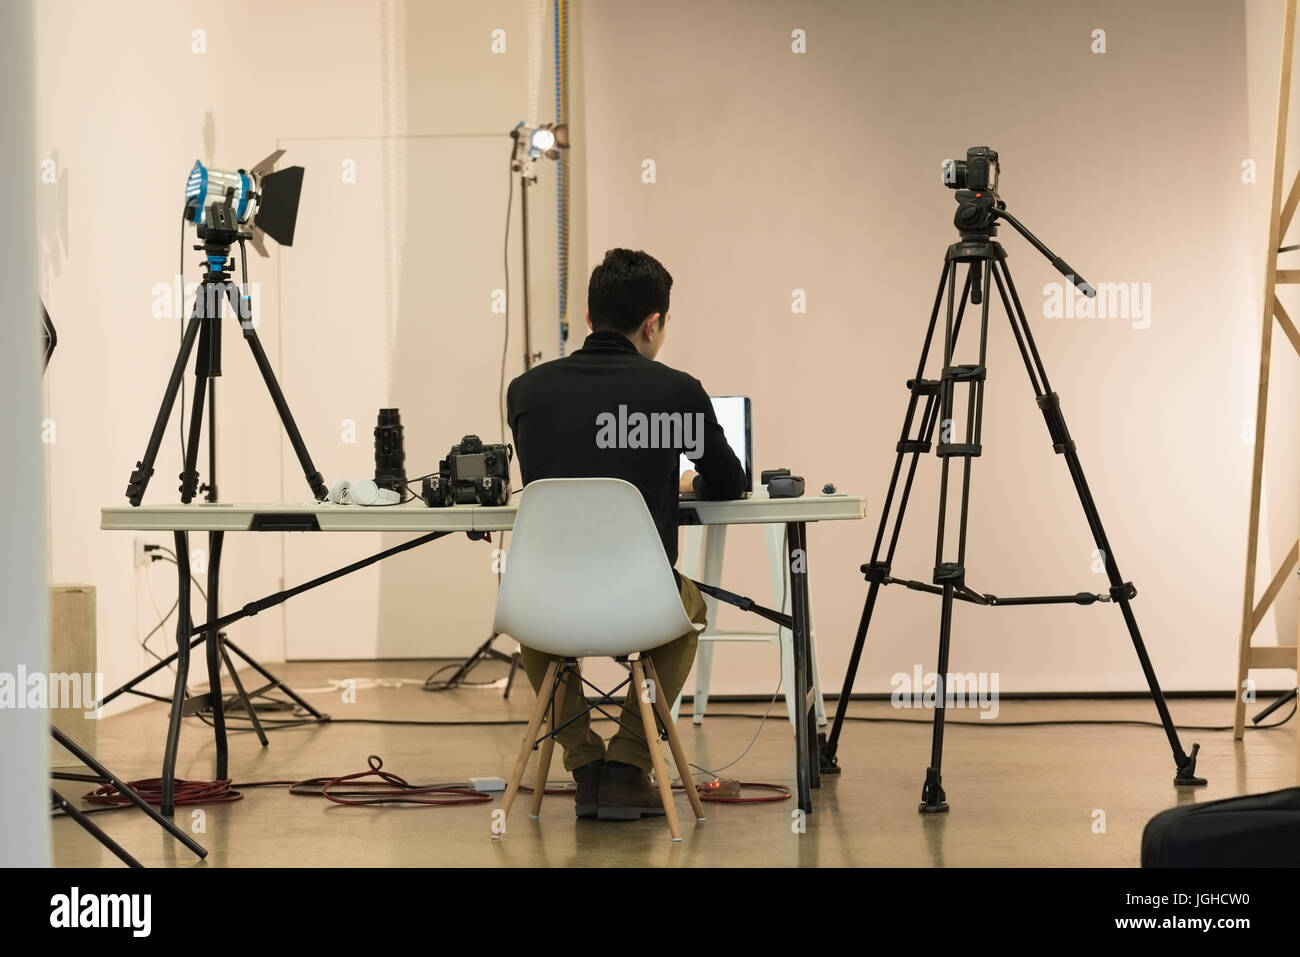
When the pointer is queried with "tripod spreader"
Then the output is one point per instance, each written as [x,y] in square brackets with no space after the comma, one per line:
[984,598]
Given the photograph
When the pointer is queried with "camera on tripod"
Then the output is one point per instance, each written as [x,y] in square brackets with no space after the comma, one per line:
[978,171]
[471,474]
[976,180]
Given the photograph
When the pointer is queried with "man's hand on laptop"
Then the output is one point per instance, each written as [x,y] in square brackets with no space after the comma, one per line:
[687,483]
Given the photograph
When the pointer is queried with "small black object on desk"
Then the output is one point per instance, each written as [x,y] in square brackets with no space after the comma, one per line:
[781,484]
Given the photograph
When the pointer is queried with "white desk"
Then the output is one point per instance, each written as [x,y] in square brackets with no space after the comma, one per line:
[415,517]
[429,524]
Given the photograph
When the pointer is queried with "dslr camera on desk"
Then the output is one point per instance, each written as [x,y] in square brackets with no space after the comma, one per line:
[471,474]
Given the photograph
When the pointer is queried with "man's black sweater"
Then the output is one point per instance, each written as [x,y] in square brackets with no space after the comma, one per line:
[578,417]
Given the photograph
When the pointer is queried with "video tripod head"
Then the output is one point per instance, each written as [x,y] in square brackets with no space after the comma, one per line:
[219,231]
[976,181]
[979,207]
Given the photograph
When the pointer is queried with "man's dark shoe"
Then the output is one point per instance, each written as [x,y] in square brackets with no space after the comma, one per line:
[586,800]
[626,793]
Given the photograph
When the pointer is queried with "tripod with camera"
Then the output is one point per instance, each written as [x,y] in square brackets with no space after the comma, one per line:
[931,406]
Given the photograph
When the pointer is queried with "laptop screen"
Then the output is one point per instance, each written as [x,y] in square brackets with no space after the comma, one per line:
[733,414]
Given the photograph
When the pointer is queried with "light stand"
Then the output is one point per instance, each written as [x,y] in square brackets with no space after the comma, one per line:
[530,144]
[219,231]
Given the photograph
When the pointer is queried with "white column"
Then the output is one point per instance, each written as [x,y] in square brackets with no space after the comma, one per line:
[24,588]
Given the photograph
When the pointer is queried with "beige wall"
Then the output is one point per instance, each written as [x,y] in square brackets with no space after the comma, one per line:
[775,171]
[778,171]
[388,302]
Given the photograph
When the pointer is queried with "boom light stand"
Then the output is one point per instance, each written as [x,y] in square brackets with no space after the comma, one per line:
[978,212]
[531,143]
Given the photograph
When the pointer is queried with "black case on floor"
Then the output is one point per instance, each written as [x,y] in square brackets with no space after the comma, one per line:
[1258,830]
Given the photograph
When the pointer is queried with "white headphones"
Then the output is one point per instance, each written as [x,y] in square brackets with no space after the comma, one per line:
[362,492]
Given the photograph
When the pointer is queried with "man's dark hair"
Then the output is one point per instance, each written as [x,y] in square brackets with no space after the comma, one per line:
[625,288]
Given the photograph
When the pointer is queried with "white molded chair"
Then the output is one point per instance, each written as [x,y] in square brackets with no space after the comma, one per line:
[596,532]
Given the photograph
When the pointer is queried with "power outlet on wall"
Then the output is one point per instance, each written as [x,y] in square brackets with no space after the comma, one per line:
[138,555]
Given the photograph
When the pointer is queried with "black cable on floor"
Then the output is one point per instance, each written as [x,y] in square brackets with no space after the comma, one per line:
[271,723]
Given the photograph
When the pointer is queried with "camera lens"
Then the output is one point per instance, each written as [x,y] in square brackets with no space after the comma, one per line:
[390,453]
[954,173]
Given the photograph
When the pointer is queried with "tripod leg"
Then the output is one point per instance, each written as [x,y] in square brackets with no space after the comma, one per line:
[276,682]
[952,575]
[314,479]
[1121,592]
[91,828]
[933,798]
[139,480]
[190,470]
[877,570]
[123,788]
[510,678]
[129,687]
[241,694]
[909,447]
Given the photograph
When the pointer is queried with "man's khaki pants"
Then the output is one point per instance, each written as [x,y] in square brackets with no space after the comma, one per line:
[672,662]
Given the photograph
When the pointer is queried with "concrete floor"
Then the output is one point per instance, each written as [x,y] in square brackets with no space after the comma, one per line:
[1019,796]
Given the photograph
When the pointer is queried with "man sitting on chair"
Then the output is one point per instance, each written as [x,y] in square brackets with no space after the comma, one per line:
[610,411]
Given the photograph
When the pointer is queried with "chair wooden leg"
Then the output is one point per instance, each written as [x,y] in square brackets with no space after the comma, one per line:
[675,745]
[526,745]
[652,744]
[544,764]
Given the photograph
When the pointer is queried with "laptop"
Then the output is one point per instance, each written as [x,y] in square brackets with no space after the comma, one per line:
[733,414]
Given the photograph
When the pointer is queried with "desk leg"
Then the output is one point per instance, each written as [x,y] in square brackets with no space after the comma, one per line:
[715,544]
[213,642]
[807,774]
[184,625]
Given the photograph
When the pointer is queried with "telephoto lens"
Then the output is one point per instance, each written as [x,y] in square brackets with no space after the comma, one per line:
[390,454]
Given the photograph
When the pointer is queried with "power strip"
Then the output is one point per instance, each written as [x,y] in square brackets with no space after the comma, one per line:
[487,784]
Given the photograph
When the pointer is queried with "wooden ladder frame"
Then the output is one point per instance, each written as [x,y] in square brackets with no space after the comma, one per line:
[1280,217]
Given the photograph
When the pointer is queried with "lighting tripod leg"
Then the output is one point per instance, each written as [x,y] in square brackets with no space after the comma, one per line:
[314,479]
[202,369]
[139,480]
